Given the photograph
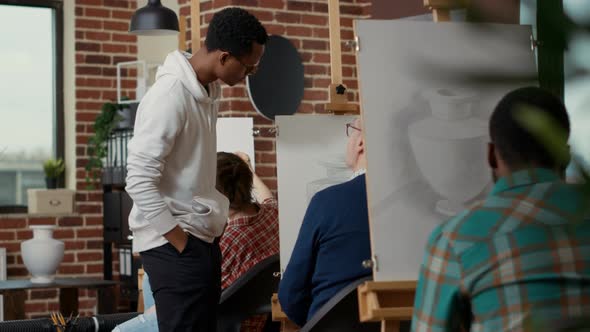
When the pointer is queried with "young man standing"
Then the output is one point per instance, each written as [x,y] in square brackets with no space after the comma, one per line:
[178,214]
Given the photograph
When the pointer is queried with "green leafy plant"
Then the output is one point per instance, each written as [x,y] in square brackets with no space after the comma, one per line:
[104,125]
[53,168]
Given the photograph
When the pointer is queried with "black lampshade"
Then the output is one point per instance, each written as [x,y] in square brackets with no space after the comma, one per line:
[154,20]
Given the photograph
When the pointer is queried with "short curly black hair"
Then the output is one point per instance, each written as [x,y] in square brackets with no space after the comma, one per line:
[234,30]
[516,145]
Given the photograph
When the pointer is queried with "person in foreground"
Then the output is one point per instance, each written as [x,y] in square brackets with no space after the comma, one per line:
[178,215]
[520,258]
[251,236]
[333,240]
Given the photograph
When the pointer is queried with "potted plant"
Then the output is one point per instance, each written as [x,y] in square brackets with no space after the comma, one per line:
[104,125]
[53,170]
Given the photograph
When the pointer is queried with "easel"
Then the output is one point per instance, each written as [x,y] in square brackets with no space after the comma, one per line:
[140,303]
[195,25]
[392,302]
[388,302]
[279,316]
[338,103]
[195,17]
[182,33]
[441,9]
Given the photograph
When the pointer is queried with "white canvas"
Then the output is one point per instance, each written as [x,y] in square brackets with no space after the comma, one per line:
[310,157]
[425,114]
[236,134]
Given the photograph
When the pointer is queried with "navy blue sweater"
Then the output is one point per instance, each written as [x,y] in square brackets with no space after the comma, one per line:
[332,243]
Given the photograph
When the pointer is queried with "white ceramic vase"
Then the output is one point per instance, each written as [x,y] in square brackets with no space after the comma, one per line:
[42,254]
[450,149]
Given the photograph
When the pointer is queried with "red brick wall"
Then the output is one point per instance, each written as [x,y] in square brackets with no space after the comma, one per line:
[388,9]
[82,236]
[305,23]
[101,40]
[482,10]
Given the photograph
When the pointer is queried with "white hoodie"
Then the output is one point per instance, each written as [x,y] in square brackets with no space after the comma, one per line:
[172,159]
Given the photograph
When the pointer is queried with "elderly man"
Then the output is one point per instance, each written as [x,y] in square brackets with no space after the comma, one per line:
[333,240]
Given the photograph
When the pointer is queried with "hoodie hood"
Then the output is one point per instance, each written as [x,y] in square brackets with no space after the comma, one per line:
[176,65]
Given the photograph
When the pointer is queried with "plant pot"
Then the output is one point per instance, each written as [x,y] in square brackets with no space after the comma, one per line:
[51,183]
[42,254]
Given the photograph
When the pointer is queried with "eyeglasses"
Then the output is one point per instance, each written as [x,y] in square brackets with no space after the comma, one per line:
[250,69]
[348,127]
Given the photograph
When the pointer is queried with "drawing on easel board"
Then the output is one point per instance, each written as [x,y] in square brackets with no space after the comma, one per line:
[310,157]
[425,111]
[236,134]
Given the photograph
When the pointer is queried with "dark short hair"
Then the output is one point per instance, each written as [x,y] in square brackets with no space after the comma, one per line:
[234,30]
[517,145]
[234,180]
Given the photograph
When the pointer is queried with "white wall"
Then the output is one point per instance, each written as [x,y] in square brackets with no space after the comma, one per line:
[154,49]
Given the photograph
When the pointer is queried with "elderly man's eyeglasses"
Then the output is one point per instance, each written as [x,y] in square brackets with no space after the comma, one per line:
[350,126]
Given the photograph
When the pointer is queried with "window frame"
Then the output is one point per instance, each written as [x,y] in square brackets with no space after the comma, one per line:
[59,132]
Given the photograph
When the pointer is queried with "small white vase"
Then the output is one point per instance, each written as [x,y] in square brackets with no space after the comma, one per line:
[42,254]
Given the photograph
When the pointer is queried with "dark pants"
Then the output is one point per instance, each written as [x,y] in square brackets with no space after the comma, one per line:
[186,286]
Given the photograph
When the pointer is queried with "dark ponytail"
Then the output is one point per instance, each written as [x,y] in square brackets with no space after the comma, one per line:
[234,180]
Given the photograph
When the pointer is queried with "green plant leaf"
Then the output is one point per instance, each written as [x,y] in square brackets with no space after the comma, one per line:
[104,124]
[53,168]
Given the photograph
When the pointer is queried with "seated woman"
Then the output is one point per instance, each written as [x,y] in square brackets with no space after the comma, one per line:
[251,234]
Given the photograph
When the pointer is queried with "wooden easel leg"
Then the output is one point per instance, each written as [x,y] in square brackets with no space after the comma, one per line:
[14,305]
[441,15]
[287,326]
[389,326]
[68,301]
[107,300]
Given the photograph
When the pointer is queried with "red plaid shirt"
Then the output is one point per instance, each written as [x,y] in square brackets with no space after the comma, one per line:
[247,241]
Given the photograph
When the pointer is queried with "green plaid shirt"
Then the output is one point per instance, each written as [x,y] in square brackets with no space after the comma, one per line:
[521,256]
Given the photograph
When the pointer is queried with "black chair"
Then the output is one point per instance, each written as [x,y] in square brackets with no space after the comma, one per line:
[574,324]
[249,295]
[27,325]
[106,323]
[341,313]
[100,323]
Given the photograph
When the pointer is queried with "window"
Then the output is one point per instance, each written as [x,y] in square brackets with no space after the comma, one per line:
[576,74]
[31,100]
[577,80]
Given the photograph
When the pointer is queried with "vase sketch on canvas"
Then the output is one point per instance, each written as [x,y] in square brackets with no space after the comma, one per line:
[426,111]
[456,139]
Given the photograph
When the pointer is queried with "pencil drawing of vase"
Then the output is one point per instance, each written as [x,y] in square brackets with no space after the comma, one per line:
[450,149]
[42,254]
[336,173]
